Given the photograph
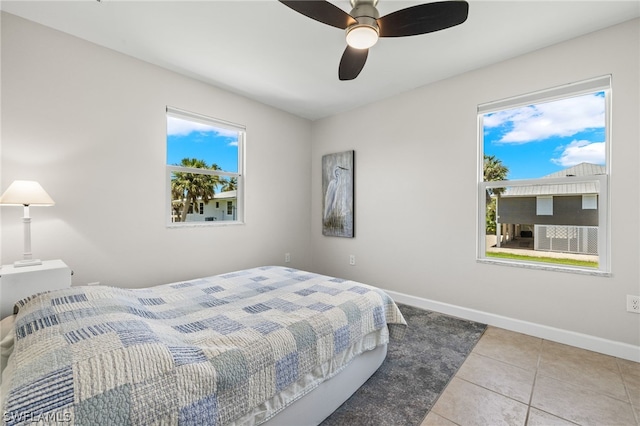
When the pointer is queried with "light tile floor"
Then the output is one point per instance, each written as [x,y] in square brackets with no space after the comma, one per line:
[515,379]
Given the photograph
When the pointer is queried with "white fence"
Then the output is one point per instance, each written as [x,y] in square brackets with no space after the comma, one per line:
[566,239]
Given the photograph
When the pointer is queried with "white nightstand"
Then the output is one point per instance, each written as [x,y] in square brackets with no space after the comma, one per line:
[25,281]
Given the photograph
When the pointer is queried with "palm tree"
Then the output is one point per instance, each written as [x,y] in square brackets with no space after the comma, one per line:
[189,188]
[494,170]
[229,185]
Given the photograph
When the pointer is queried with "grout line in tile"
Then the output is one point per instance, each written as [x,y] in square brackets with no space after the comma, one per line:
[626,386]
[502,361]
[589,388]
[511,364]
[554,415]
[533,385]
[481,387]
[636,413]
[491,390]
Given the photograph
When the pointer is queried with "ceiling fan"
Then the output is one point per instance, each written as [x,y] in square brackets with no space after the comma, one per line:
[363,24]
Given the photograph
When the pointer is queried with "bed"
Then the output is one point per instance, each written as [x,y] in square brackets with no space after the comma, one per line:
[267,345]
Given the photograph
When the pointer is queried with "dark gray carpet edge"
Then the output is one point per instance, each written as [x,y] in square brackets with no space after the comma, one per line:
[415,372]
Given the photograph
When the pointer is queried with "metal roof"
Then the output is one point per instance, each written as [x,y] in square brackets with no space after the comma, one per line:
[582,169]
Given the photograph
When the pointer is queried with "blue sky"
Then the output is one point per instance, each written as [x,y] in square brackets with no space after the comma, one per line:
[196,140]
[536,140]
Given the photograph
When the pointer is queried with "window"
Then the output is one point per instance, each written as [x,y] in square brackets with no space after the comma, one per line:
[204,163]
[589,202]
[544,177]
[544,205]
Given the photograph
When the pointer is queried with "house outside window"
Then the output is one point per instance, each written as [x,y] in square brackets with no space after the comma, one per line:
[544,179]
[204,165]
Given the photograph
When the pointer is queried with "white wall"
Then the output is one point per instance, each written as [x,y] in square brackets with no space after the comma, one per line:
[89,124]
[415,196]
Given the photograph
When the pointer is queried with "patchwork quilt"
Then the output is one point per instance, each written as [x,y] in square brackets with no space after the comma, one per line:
[205,351]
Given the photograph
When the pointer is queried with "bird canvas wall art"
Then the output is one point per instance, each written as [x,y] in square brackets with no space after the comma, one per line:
[337,191]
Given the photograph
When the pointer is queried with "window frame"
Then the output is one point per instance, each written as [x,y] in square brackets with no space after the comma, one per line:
[239,175]
[598,84]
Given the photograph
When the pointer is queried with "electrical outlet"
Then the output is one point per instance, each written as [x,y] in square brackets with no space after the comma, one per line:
[633,304]
[352,259]
[287,257]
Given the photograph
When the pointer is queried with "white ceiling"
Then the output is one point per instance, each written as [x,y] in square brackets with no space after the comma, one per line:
[266,51]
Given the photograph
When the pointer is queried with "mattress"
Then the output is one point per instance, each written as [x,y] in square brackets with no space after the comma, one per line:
[236,348]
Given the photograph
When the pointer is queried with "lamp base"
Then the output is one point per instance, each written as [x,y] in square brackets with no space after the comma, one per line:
[27,262]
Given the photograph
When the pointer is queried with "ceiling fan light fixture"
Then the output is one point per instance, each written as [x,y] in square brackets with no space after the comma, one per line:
[362,36]
[364,25]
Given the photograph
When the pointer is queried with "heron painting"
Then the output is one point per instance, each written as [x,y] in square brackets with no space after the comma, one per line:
[337,190]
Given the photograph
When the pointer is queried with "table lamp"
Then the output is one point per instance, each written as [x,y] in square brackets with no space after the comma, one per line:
[26,193]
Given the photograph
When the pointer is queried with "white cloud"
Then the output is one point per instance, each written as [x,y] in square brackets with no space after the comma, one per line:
[565,117]
[179,127]
[581,152]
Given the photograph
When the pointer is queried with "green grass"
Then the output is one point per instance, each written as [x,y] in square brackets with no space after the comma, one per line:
[569,262]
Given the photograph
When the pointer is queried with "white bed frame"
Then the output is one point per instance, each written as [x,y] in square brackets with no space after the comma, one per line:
[318,404]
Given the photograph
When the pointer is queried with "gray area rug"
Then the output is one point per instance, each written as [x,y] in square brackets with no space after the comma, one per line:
[414,374]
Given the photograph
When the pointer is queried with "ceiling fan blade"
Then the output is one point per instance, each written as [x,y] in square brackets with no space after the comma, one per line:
[352,62]
[424,18]
[321,11]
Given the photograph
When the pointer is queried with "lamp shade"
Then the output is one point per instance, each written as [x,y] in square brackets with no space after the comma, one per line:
[26,193]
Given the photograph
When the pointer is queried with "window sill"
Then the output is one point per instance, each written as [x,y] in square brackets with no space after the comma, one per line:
[212,224]
[546,267]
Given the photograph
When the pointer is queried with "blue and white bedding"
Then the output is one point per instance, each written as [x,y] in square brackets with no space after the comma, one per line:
[217,350]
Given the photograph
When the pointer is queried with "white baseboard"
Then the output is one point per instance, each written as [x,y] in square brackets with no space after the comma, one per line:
[584,341]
